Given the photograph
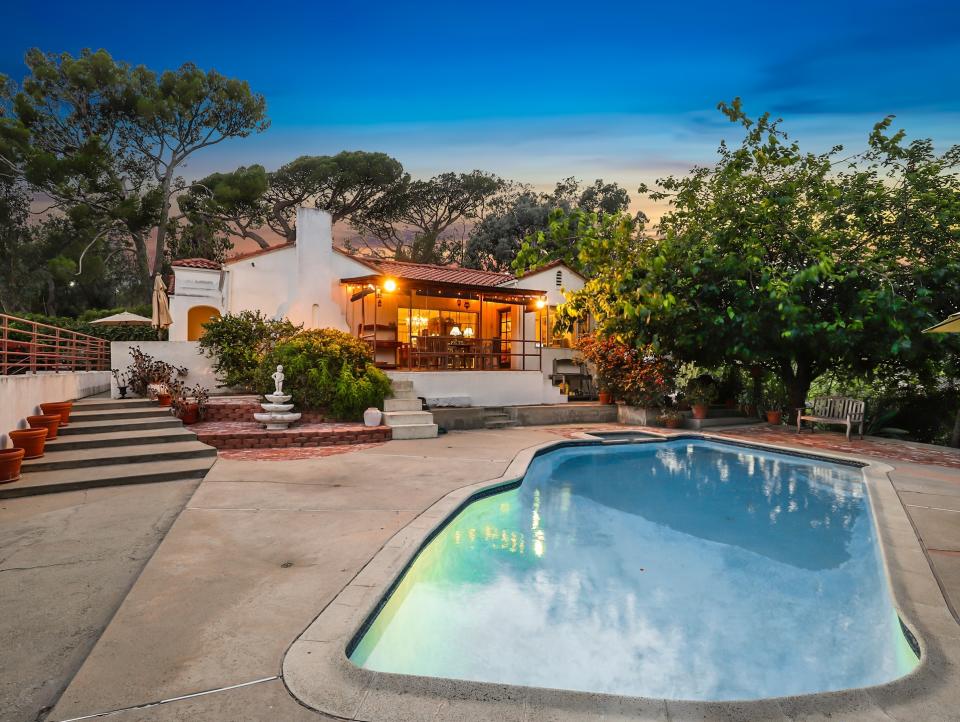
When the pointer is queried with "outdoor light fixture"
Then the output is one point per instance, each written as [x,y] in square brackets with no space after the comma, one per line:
[390,285]
[541,303]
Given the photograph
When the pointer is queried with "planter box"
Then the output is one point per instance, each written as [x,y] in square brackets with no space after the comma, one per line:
[637,415]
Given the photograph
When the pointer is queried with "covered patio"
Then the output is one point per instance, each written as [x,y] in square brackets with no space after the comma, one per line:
[419,317]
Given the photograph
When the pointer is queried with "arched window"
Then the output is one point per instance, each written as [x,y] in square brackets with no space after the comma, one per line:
[196,317]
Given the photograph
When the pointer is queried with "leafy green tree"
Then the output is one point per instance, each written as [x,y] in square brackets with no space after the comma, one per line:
[238,343]
[519,213]
[790,261]
[417,220]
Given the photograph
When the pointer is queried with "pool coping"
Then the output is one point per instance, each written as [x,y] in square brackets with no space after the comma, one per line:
[317,672]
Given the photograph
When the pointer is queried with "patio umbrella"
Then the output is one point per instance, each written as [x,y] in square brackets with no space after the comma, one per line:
[161,305]
[950,325]
[122,319]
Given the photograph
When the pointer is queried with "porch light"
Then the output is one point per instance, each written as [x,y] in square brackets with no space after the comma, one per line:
[455,331]
[541,303]
[390,285]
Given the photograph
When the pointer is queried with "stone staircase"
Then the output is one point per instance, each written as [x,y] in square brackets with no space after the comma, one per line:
[113,442]
[496,417]
[405,416]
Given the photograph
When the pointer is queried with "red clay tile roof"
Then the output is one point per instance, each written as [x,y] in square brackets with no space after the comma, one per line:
[429,272]
[197,263]
[259,252]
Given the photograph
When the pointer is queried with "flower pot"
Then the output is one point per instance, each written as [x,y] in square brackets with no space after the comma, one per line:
[30,440]
[774,417]
[164,399]
[59,407]
[372,416]
[10,460]
[700,411]
[190,413]
[50,422]
[123,391]
[605,397]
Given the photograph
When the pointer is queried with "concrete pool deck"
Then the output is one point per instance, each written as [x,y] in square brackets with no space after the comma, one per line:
[263,547]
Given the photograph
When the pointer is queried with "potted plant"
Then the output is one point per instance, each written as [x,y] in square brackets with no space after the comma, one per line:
[700,392]
[10,461]
[121,378]
[163,395]
[148,376]
[774,401]
[189,405]
[604,396]
[671,419]
[61,408]
[30,440]
[50,422]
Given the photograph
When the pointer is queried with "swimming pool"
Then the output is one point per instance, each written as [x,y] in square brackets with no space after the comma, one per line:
[682,569]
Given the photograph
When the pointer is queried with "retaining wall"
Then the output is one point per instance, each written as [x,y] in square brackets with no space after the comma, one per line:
[22,394]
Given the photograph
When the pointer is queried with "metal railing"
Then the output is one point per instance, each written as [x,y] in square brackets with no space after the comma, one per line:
[29,346]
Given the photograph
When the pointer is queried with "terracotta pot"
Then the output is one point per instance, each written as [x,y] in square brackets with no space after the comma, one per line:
[774,417]
[190,414]
[605,397]
[30,440]
[62,408]
[700,411]
[10,460]
[164,399]
[50,422]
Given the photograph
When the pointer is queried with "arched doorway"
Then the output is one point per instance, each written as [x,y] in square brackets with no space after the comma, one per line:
[196,317]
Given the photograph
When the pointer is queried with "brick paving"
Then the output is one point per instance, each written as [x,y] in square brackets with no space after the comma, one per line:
[872,446]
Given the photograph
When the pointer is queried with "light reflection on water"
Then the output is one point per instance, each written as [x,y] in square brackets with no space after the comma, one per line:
[685,570]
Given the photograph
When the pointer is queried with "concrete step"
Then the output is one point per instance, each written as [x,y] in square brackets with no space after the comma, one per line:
[132,426]
[119,414]
[96,404]
[50,482]
[402,405]
[414,431]
[500,423]
[401,384]
[146,455]
[402,418]
[120,437]
[494,411]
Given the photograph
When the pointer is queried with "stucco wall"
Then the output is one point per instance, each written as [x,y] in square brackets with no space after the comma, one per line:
[21,395]
[179,353]
[483,388]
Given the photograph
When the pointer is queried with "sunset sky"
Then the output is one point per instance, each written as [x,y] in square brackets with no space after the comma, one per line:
[534,91]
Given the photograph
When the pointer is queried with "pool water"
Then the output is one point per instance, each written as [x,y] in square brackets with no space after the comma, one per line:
[680,569]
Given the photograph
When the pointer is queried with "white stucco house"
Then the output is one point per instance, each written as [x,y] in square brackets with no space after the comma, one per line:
[462,336]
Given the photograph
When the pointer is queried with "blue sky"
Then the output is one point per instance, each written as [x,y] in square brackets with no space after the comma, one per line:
[534,91]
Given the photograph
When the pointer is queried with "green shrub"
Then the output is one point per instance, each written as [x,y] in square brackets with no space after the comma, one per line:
[327,370]
[238,342]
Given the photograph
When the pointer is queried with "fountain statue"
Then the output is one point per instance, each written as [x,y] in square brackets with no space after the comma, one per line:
[277,414]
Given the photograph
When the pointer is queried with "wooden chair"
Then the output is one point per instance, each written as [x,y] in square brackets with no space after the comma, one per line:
[839,410]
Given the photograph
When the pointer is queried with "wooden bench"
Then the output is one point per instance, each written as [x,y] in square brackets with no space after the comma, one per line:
[833,410]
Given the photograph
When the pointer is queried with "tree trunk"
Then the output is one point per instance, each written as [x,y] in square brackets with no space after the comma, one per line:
[164,217]
[955,436]
[51,304]
[798,385]
[143,266]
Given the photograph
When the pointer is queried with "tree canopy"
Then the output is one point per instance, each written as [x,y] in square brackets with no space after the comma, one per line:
[795,262]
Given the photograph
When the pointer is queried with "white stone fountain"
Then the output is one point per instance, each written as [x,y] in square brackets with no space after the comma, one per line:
[277,414]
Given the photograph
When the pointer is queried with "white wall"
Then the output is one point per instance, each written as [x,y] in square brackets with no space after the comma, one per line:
[546,280]
[193,287]
[179,353]
[483,388]
[21,395]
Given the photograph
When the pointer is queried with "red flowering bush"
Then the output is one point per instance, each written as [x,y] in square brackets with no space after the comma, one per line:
[638,376]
